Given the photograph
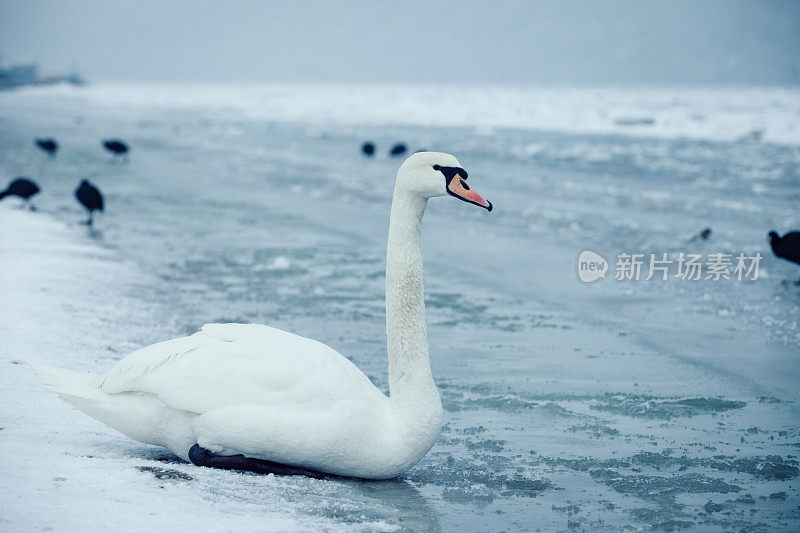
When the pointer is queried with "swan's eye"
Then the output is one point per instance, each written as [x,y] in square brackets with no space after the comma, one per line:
[436,167]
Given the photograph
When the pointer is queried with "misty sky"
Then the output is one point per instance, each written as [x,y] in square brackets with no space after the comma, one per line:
[496,42]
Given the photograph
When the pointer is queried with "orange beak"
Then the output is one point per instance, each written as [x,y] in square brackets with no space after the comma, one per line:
[458,187]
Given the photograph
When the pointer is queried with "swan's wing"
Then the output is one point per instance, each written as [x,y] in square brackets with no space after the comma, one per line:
[234,364]
[146,360]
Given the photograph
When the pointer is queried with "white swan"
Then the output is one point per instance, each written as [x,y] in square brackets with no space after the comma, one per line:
[269,395]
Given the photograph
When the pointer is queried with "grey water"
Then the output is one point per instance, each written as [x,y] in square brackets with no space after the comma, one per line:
[568,406]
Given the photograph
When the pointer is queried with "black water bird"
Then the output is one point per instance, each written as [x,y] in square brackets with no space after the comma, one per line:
[368,149]
[89,196]
[786,247]
[24,188]
[48,145]
[115,146]
[398,150]
[702,236]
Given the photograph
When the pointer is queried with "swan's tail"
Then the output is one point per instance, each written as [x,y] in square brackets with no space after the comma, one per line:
[142,417]
[76,388]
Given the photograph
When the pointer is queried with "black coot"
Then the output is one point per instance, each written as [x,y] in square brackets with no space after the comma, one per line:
[115,146]
[786,247]
[702,236]
[89,196]
[398,150]
[48,145]
[368,149]
[22,187]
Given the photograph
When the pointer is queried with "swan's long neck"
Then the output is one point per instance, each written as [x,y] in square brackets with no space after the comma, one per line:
[410,380]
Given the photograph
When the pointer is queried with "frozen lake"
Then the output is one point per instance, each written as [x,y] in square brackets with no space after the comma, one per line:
[611,405]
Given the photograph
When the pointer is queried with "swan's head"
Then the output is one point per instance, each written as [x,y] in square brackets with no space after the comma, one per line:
[431,174]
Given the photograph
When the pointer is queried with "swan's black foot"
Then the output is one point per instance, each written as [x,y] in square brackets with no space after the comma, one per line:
[203,457]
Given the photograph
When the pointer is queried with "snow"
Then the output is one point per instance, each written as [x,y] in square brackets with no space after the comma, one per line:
[567,405]
[711,113]
[279,263]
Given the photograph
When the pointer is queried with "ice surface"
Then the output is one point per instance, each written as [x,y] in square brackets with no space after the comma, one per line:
[662,405]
